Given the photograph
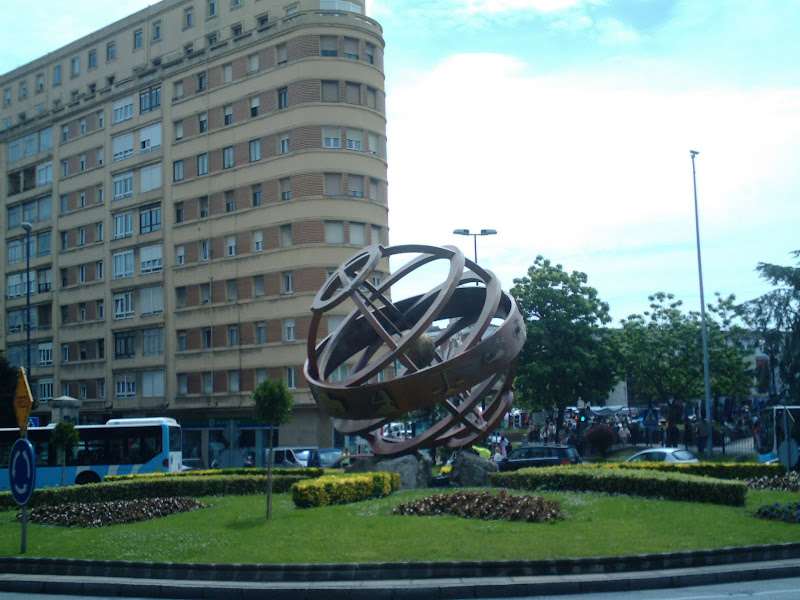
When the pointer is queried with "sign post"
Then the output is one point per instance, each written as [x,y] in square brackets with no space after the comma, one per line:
[22,460]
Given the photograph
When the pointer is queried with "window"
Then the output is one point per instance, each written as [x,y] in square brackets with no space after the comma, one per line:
[255,105]
[330,91]
[230,245]
[180,297]
[358,234]
[125,344]
[289,331]
[150,178]
[150,218]
[64,240]
[286,235]
[180,255]
[202,81]
[123,225]
[150,99]
[328,46]
[370,53]
[284,145]
[352,93]
[255,194]
[92,59]
[64,352]
[261,332]
[45,279]
[56,76]
[205,293]
[286,188]
[237,30]
[188,17]
[283,98]
[291,378]
[230,201]
[14,285]
[44,174]
[123,305]
[64,168]
[205,250]
[332,137]
[202,164]
[355,186]
[212,8]
[255,150]
[334,232]
[100,154]
[99,270]
[375,233]
[283,54]
[333,184]
[82,274]
[371,97]
[202,207]
[179,130]
[182,340]
[64,204]
[227,73]
[81,236]
[45,351]
[228,115]
[207,339]
[111,51]
[123,146]
[178,90]
[258,241]
[157,31]
[125,385]
[151,300]
[258,286]
[138,39]
[82,126]
[153,342]
[373,142]
[100,194]
[123,264]
[233,335]
[288,282]
[14,252]
[23,90]
[45,139]
[123,185]
[75,66]
[227,157]
[177,170]
[150,259]
[123,109]
[351,48]
[355,139]
[98,232]
[202,123]
[252,64]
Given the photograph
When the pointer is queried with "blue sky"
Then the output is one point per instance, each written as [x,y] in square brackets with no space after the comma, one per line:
[566,126]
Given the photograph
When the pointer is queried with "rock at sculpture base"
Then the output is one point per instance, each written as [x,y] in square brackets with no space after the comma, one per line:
[414,468]
[470,470]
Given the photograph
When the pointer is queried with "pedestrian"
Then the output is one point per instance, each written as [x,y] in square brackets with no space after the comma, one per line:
[702,436]
[624,434]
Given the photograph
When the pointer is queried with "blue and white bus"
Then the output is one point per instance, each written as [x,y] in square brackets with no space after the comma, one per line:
[120,447]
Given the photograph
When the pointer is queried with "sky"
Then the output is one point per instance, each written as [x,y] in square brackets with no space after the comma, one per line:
[567,125]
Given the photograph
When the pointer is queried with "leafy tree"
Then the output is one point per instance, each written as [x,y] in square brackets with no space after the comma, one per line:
[601,437]
[775,317]
[273,406]
[663,353]
[8,386]
[65,437]
[568,354]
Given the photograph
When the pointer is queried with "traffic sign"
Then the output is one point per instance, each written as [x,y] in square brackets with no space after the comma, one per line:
[788,453]
[23,401]
[650,418]
[22,471]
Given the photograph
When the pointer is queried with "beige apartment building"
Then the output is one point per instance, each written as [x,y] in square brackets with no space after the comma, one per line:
[191,174]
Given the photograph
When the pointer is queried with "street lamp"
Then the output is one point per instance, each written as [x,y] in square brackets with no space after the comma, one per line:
[475,237]
[27,227]
[706,375]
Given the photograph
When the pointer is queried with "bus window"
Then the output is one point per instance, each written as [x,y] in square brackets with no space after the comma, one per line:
[174,439]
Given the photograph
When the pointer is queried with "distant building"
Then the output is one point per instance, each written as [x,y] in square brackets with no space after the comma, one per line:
[192,174]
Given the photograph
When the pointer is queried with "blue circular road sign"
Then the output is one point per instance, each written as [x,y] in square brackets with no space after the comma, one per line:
[22,471]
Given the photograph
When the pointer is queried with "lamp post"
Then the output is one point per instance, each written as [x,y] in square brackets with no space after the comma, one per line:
[475,237]
[27,227]
[706,375]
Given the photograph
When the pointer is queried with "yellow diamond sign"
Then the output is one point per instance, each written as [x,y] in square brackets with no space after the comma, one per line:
[23,401]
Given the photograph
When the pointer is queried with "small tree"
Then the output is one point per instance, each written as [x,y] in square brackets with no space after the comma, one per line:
[65,437]
[601,437]
[273,406]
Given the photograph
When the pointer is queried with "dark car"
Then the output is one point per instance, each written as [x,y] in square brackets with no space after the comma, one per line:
[540,455]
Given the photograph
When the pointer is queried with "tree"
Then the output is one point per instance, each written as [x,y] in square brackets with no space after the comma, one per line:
[65,437]
[273,406]
[568,354]
[8,386]
[775,317]
[663,353]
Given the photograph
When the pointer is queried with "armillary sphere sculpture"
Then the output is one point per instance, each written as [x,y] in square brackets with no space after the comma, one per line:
[393,366]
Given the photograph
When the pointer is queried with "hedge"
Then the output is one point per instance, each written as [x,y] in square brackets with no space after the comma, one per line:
[343,489]
[304,472]
[642,483]
[742,471]
[153,487]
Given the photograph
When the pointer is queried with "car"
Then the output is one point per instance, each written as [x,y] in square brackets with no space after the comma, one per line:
[670,455]
[540,455]
[346,461]
[286,457]
[323,457]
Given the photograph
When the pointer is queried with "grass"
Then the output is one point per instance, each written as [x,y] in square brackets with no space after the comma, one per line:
[234,530]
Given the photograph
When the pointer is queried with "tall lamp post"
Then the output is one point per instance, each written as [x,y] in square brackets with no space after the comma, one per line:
[706,375]
[27,227]
[475,237]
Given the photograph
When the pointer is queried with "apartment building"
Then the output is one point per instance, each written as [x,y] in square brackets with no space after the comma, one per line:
[191,174]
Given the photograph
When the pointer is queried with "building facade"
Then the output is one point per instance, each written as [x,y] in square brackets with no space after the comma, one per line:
[191,174]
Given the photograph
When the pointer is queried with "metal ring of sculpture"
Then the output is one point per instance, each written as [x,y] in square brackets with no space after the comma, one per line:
[467,368]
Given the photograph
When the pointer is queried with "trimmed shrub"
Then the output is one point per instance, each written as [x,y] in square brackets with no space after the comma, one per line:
[486,506]
[304,472]
[343,489]
[733,470]
[645,484]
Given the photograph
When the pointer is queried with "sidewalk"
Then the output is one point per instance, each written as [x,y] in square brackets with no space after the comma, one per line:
[398,581]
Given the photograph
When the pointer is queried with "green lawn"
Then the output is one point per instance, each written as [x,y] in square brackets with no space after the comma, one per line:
[234,531]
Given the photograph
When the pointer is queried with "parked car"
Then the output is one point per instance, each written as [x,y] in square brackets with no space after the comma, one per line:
[293,458]
[323,457]
[348,460]
[540,455]
[670,455]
